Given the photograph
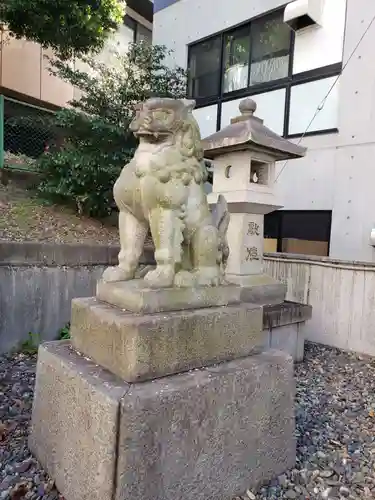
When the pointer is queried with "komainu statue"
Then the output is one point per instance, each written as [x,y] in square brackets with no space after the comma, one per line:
[162,189]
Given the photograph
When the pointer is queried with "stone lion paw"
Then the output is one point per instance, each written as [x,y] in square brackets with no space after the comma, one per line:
[116,273]
[184,279]
[161,277]
[208,276]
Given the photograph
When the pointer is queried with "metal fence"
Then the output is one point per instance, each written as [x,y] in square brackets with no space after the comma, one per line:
[25,133]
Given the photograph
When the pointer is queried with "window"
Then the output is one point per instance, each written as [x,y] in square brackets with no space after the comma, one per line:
[143,34]
[136,32]
[308,96]
[252,54]
[257,59]
[129,32]
[130,27]
[299,231]
[204,68]
[236,59]
[207,118]
[270,49]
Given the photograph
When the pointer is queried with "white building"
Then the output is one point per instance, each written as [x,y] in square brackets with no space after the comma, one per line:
[241,48]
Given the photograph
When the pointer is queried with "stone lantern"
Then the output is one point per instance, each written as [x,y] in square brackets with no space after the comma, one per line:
[244,154]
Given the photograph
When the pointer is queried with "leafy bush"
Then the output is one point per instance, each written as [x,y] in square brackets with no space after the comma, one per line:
[97,140]
[64,333]
[67,26]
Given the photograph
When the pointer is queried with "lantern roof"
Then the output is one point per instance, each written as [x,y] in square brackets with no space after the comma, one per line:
[247,132]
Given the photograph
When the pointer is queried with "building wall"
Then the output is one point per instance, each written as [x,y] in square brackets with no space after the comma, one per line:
[337,173]
[24,68]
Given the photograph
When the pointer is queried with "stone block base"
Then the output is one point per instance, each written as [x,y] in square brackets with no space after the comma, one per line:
[284,327]
[260,289]
[142,347]
[136,297]
[75,422]
[209,433]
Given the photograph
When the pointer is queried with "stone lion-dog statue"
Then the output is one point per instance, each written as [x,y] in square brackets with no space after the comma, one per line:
[162,190]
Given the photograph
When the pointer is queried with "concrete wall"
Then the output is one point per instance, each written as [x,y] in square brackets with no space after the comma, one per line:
[337,173]
[341,293]
[38,282]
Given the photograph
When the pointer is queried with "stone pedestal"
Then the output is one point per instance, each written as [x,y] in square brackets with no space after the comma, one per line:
[208,433]
[164,405]
[143,347]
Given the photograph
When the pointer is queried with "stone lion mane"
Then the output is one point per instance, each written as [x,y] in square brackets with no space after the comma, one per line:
[182,137]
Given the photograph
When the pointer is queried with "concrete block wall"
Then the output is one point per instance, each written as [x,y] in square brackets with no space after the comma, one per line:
[341,293]
[38,282]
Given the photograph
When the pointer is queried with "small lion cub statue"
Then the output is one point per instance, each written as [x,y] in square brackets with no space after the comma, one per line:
[162,190]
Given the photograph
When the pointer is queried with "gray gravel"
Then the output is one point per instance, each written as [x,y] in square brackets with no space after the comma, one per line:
[335,411]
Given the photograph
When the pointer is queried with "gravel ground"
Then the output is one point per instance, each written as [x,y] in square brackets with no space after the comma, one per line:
[335,410]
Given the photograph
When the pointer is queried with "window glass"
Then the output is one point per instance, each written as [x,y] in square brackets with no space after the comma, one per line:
[143,34]
[270,48]
[236,59]
[270,107]
[204,68]
[308,97]
[131,26]
[207,119]
[263,43]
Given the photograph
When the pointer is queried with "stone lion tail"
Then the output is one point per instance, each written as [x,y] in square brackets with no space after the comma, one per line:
[221,217]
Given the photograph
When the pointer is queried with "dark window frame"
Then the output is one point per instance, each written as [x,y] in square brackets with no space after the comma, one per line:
[191,81]
[133,24]
[252,90]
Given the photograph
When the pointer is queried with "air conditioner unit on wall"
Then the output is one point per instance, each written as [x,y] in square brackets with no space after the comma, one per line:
[303,13]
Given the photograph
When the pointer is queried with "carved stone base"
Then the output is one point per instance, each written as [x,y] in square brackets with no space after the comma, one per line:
[137,297]
[211,433]
[141,347]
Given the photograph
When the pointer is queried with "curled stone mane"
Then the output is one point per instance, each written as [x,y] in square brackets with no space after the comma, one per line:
[188,141]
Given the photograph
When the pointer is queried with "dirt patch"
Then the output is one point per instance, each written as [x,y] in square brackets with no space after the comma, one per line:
[25,218]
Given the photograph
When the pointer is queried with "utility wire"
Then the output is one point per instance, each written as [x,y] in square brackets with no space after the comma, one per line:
[324,100]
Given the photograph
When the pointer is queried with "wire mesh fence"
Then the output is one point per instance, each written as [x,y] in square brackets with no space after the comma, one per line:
[26,131]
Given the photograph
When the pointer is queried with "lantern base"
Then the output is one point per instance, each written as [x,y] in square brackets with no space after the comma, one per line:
[259,289]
